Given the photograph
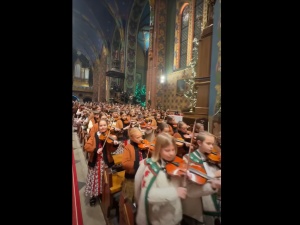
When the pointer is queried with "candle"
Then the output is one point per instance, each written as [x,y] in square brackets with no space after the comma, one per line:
[149,95]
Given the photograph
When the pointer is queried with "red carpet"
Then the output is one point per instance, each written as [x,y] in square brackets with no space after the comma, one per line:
[76,208]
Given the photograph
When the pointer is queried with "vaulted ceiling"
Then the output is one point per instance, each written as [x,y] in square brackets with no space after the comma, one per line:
[94,24]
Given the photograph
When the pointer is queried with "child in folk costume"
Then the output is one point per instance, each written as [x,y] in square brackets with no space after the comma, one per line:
[161,127]
[132,155]
[182,133]
[122,124]
[100,156]
[159,197]
[204,206]
[199,127]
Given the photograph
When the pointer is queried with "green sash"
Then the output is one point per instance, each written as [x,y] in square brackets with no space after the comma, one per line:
[196,157]
[154,168]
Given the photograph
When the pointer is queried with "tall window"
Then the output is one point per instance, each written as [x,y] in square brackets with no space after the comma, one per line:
[86,73]
[77,70]
[82,73]
[198,19]
[184,36]
[187,26]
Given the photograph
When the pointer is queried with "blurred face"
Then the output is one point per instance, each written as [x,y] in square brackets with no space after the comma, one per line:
[184,128]
[102,126]
[115,114]
[199,128]
[137,138]
[207,145]
[132,112]
[166,130]
[168,153]
[124,116]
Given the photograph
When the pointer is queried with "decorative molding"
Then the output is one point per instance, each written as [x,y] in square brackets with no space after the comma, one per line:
[132,31]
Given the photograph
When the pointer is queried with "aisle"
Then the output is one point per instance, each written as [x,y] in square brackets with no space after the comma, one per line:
[90,215]
[76,207]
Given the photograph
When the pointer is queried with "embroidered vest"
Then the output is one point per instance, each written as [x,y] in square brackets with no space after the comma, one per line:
[196,158]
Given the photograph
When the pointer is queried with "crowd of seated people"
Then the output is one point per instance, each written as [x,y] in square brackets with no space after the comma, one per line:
[119,140]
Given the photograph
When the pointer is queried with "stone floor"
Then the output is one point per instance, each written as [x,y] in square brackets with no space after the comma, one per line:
[90,215]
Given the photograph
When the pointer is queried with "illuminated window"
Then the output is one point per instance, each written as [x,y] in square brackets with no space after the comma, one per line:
[188,26]
[184,36]
[198,20]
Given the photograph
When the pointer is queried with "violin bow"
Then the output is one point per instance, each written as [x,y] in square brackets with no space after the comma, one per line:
[107,134]
[189,158]
[106,138]
[165,114]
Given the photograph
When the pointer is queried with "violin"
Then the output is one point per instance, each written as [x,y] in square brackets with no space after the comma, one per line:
[215,156]
[146,122]
[145,144]
[151,149]
[108,137]
[178,167]
[180,142]
[187,137]
[152,145]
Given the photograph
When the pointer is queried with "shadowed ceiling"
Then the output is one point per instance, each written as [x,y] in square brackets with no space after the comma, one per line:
[94,24]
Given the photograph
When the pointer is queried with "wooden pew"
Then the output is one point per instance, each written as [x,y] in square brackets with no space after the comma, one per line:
[112,185]
[127,211]
[117,158]
[130,212]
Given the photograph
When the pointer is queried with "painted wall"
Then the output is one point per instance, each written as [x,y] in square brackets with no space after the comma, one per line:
[171,10]
[166,93]
[170,98]
[131,46]
[141,64]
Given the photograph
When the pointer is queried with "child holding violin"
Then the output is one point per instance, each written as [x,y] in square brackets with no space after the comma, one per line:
[172,124]
[183,139]
[133,153]
[123,124]
[149,128]
[161,127]
[100,146]
[160,187]
[199,128]
[203,206]
[157,195]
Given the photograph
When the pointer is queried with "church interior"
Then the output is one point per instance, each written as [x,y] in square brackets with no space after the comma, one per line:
[159,54]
